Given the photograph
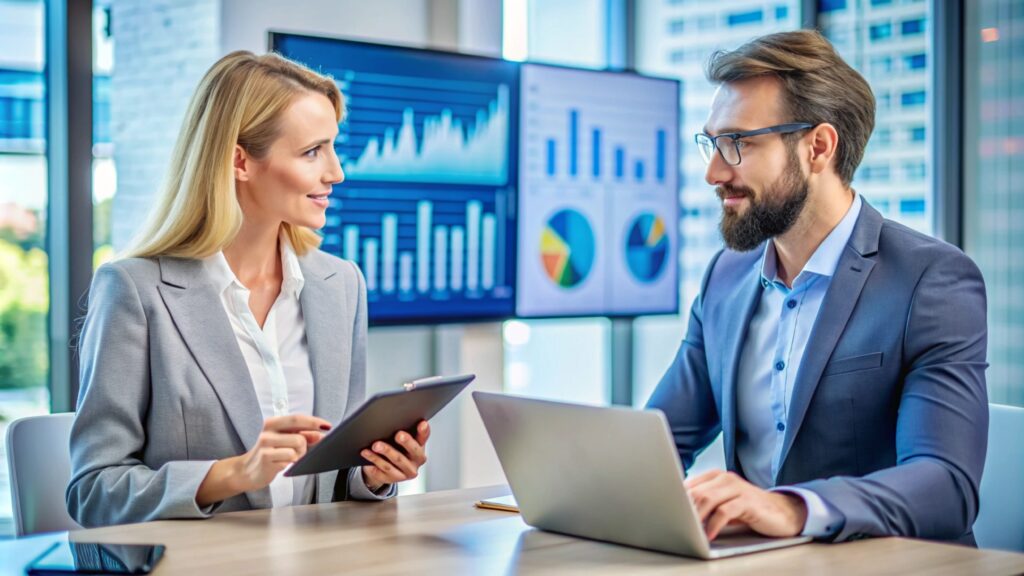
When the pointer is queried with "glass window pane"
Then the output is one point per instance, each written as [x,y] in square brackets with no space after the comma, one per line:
[994,169]
[723,24]
[24,277]
[894,173]
[104,173]
[563,359]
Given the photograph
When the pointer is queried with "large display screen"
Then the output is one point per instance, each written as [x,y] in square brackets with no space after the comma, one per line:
[428,146]
[479,189]
[598,194]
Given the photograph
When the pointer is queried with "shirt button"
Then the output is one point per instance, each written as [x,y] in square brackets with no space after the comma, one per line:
[791,304]
[780,365]
[780,426]
[280,405]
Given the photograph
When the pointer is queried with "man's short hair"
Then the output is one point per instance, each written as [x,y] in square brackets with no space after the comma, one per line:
[818,87]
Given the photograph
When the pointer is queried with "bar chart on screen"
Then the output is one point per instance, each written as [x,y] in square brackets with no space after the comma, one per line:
[427,209]
[598,185]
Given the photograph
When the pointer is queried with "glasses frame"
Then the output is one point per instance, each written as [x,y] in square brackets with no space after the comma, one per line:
[737,136]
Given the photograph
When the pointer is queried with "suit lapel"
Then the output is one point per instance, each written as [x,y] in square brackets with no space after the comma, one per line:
[745,298]
[320,301]
[196,309]
[844,291]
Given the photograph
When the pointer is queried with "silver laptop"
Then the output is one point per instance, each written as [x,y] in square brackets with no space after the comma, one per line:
[610,474]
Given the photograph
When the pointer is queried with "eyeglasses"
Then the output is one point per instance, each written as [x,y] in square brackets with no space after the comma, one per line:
[728,145]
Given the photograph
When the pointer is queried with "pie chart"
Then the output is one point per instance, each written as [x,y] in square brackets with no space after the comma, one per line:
[567,248]
[647,247]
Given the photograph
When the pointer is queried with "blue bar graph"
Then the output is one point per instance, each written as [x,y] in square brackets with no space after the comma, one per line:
[660,157]
[639,170]
[597,153]
[551,157]
[620,162]
[574,121]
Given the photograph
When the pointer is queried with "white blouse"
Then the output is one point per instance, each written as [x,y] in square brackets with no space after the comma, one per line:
[277,355]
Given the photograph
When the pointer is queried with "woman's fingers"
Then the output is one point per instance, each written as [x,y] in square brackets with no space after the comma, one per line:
[295,423]
[396,458]
[413,449]
[389,474]
[422,432]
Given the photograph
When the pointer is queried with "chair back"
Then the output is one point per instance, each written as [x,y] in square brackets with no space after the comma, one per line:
[39,461]
[1000,522]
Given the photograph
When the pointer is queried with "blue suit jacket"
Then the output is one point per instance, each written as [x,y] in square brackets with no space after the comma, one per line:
[888,421]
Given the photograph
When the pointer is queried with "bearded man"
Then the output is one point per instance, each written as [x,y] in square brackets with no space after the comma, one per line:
[840,355]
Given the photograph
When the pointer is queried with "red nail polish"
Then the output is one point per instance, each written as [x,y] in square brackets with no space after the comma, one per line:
[325,426]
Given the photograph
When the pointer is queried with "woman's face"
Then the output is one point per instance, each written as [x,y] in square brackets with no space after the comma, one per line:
[292,182]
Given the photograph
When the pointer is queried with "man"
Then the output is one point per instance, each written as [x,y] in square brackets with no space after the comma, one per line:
[841,355]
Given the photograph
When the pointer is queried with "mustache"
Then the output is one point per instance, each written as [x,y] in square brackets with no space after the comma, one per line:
[733,191]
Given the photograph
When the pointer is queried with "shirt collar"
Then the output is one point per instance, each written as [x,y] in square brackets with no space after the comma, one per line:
[223,277]
[825,259]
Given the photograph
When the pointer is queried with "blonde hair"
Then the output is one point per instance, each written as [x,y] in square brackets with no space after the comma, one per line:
[239,101]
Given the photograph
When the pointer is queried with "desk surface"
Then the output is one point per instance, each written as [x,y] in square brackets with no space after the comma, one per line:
[442,533]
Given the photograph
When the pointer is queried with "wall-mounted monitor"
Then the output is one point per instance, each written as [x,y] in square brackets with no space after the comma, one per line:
[598,194]
[428,146]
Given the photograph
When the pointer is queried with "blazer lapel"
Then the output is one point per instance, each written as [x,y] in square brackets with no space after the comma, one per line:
[198,314]
[325,328]
[320,302]
[745,297]
[844,291]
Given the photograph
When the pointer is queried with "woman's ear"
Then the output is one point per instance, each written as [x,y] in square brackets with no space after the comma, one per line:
[241,163]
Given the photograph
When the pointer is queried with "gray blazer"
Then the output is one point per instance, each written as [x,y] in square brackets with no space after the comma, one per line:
[165,390]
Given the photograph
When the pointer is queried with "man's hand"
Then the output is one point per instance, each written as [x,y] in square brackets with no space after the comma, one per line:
[723,498]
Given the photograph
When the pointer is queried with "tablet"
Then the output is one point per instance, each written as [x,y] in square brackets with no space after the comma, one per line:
[379,418]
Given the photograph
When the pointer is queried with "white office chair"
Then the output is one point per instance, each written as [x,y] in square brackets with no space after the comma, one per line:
[40,466]
[1000,522]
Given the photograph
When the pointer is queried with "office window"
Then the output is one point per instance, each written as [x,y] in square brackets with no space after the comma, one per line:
[881,31]
[881,2]
[901,99]
[744,18]
[993,171]
[912,27]
[915,61]
[912,206]
[24,276]
[831,5]
[657,338]
[917,134]
[677,27]
[912,98]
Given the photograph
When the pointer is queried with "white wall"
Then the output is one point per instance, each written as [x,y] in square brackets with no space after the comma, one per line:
[246,22]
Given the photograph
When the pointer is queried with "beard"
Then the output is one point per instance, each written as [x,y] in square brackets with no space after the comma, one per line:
[773,215]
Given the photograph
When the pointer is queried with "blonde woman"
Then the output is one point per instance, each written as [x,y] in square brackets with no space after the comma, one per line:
[225,342]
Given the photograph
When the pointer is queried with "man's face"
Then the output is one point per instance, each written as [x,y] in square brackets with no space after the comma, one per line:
[763,196]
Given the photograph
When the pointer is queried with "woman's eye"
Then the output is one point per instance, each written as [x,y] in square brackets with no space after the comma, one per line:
[312,152]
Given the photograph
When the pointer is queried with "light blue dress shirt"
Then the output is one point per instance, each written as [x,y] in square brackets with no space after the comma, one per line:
[775,344]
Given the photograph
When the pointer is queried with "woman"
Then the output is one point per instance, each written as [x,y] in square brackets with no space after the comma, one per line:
[225,343]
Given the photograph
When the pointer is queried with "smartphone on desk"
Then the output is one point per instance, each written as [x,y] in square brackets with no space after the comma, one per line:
[67,557]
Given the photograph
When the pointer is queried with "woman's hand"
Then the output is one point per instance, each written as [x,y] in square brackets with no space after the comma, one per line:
[284,440]
[391,465]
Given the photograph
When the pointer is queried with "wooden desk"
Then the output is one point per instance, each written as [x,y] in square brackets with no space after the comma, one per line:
[442,533]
